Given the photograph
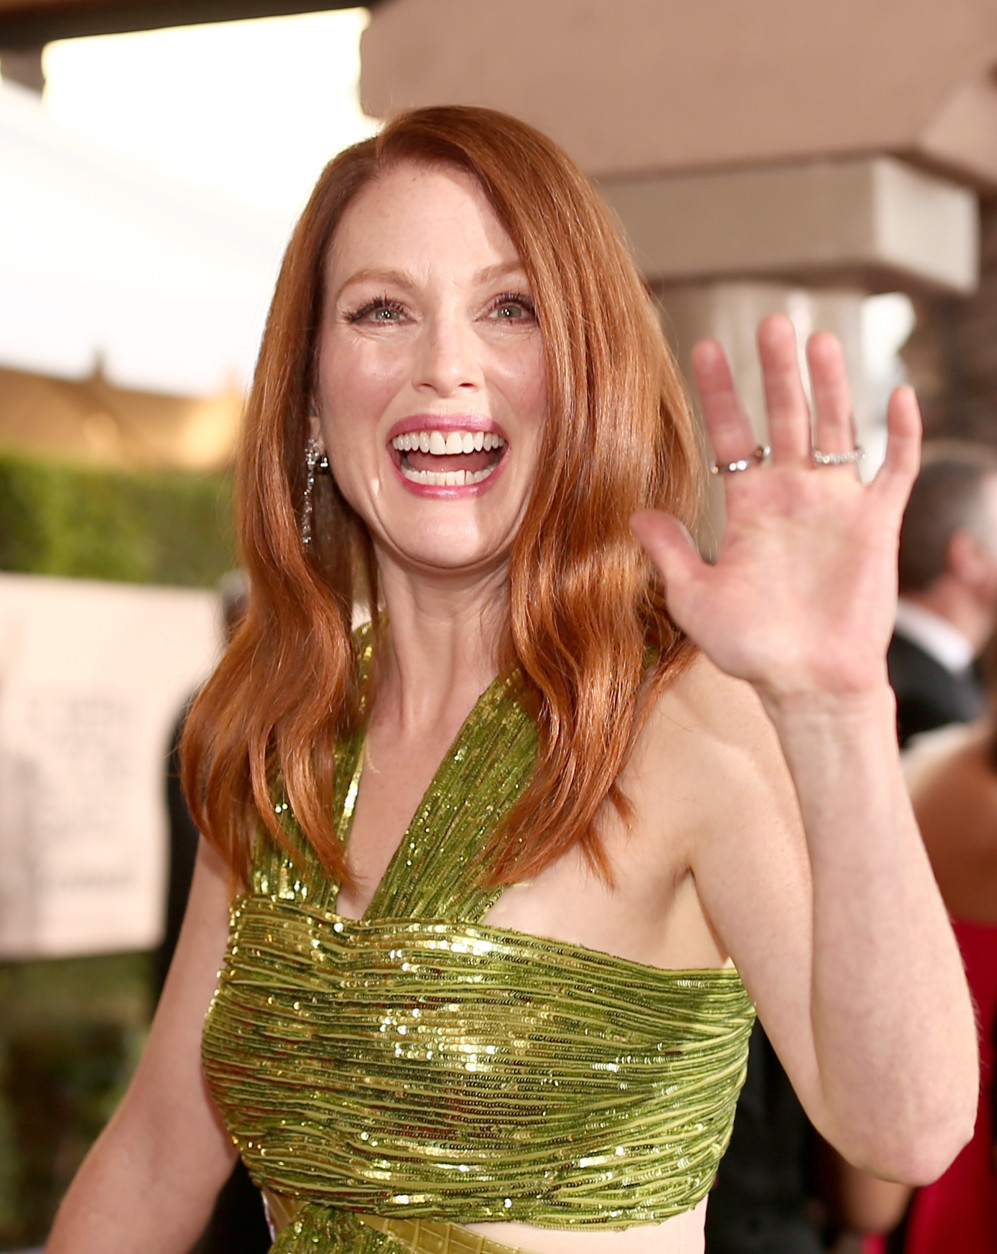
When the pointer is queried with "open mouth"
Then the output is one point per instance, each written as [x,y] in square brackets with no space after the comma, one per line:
[448,459]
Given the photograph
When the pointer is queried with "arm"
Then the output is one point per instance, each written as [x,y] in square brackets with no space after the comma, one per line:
[865,1203]
[953,790]
[151,1178]
[839,932]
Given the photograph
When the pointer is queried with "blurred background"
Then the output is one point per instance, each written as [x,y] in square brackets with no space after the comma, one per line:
[837,162]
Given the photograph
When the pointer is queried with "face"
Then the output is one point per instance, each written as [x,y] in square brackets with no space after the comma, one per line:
[431,394]
[988,544]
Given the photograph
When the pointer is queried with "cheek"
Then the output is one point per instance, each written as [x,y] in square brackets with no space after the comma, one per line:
[535,401]
[356,389]
[525,386]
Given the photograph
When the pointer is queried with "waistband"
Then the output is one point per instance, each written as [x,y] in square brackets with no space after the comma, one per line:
[433,1236]
[420,1236]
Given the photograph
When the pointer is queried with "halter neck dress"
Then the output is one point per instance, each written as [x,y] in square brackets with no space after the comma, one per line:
[392,1078]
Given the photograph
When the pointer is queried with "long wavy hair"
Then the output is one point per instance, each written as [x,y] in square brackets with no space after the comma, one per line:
[588,633]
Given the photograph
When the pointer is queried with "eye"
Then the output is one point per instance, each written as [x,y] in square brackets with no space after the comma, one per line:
[382,309]
[513,307]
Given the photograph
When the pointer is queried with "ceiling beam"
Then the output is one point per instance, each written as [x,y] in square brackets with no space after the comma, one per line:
[33,23]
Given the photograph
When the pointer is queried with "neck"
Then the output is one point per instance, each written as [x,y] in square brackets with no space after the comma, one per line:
[444,638]
[959,607]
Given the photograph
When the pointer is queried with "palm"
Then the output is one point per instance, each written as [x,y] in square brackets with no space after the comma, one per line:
[802,593]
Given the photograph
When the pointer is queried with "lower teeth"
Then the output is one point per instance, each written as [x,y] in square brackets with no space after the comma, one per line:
[446,478]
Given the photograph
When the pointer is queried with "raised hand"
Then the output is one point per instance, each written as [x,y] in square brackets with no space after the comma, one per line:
[802,594]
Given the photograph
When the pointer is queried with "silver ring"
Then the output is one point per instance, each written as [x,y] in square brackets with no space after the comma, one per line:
[850,458]
[755,458]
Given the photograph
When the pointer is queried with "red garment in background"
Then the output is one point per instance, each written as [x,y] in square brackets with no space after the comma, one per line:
[958,1213]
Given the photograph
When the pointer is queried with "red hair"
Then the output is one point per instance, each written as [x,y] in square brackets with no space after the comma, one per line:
[586,609]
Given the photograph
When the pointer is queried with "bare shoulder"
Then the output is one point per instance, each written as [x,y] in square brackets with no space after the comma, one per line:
[708,778]
[954,793]
[933,758]
[710,727]
[953,787]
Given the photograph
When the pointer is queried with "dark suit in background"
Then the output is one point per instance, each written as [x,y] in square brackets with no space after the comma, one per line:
[929,695]
[766,1196]
[238,1224]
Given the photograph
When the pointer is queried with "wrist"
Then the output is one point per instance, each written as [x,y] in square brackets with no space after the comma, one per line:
[870,705]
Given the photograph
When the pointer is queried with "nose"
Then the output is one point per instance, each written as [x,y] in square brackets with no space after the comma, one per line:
[447,360]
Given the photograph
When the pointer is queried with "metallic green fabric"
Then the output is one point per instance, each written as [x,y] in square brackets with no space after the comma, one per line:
[346,1232]
[421,1063]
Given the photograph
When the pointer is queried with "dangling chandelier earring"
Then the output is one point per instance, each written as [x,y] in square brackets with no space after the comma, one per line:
[316,463]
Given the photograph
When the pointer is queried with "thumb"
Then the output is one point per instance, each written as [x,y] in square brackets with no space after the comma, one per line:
[670,547]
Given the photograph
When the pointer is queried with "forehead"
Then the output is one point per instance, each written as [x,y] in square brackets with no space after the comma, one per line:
[415,216]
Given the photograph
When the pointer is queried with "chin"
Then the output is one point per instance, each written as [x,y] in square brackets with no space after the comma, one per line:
[447,556]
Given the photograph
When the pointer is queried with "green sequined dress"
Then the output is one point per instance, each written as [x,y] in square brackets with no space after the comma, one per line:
[421,1065]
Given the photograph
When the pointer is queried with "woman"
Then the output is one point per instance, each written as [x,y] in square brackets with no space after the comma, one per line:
[496,856]
[954,791]
[952,776]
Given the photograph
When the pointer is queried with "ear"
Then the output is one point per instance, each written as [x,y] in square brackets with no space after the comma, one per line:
[968,559]
[315,430]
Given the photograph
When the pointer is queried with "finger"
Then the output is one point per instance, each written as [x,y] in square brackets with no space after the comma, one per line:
[672,550]
[834,427]
[785,397]
[903,447]
[726,422]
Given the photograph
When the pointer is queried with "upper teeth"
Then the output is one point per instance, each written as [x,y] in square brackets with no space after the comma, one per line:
[445,443]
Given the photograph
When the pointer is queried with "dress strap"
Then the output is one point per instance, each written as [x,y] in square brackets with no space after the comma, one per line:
[432,874]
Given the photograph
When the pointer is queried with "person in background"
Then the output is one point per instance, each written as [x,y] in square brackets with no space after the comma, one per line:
[947,609]
[238,1222]
[952,777]
[953,784]
[946,614]
[233,602]
[769,1194]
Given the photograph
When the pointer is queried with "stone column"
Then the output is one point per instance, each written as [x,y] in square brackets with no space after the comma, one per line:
[24,66]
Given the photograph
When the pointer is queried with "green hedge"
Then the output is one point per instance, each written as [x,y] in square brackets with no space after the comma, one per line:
[71,1030]
[161,527]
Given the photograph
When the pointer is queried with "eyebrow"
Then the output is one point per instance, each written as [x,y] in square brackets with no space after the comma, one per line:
[400,278]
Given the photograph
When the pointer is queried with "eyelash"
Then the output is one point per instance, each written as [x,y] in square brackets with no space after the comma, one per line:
[374,306]
[379,303]
[515,298]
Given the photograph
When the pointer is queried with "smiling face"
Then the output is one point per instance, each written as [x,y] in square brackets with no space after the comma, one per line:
[430,394]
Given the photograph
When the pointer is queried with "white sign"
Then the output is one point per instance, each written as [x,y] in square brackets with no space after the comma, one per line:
[92,678]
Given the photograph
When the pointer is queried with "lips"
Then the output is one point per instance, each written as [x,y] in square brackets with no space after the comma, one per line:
[453,457]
